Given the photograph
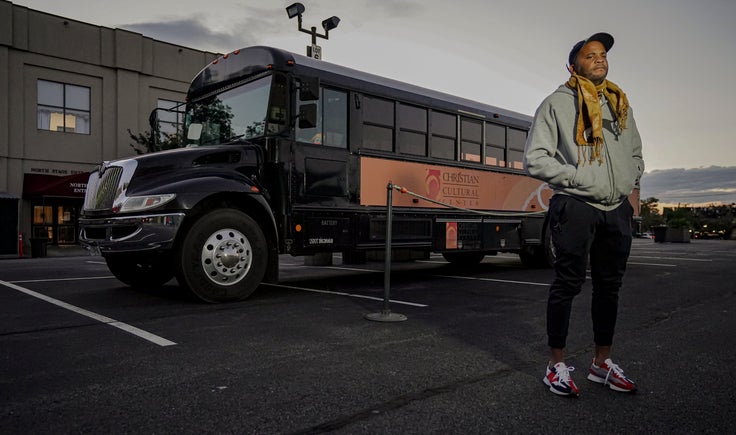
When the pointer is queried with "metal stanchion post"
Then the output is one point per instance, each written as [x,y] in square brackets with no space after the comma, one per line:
[386,315]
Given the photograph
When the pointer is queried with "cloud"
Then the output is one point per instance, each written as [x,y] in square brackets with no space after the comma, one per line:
[186,32]
[251,27]
[690,186]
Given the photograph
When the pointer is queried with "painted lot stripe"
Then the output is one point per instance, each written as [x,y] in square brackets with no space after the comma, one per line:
[507,281]
[652,264]
[100,318]
[672,258]
[351,295]
[64,279]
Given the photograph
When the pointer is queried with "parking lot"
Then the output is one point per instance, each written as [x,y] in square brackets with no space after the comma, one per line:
[80,352]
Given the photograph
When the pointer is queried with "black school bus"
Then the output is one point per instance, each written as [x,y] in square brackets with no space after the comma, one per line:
[287,154]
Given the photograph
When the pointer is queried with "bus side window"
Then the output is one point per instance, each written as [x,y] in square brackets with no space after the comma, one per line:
[332,120]
[335,119]
[378,124]
[495,145]
[310,134]
[444,135]
[517,140]
[471,139]
[412,125]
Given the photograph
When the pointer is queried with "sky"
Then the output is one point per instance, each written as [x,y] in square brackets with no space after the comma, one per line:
[675,59]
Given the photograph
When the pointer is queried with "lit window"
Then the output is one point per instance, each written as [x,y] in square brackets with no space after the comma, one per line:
[63,107]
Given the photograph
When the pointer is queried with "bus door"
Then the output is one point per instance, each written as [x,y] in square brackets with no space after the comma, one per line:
[320,174]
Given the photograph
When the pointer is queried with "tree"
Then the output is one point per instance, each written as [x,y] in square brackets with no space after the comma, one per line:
[145,143]
[649,214]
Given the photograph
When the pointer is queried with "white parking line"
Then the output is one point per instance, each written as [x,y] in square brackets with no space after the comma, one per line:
[652,264]
[100,318]
[672,258]
[352,295]
[65,279]
[508,281]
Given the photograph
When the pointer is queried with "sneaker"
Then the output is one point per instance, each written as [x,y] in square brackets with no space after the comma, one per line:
[611,374]
[559,381]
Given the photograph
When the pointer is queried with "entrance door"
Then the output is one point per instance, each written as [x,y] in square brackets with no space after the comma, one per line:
[55,223]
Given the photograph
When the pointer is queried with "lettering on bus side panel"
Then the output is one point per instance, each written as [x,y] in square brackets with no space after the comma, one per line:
[326,232]
[467,188]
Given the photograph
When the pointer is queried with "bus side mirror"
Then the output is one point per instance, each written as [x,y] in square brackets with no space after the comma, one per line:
[153,119]
[194,133]
[308,115]
[309,88]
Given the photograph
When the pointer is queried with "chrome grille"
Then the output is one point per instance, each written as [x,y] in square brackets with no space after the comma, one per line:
[102,191]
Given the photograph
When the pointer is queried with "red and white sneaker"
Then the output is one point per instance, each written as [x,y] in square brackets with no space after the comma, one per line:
[611,374]
[559,381]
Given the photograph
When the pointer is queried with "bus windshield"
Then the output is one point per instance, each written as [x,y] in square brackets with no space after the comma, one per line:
[234,114]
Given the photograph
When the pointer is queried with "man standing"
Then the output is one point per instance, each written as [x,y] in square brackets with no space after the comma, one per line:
[585,144]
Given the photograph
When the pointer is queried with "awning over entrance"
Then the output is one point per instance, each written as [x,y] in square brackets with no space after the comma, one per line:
[70,186]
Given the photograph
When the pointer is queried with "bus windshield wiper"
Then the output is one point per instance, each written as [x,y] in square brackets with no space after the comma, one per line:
[231,139]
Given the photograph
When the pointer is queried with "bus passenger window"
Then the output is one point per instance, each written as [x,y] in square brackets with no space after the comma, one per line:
[310,134]
[517,140]
[332,120]
[444,134]
[495,145]
[335,109]
[378,124]
[471,135]
[412,122]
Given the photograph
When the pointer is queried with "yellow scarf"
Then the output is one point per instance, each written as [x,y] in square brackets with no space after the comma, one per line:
[591,116]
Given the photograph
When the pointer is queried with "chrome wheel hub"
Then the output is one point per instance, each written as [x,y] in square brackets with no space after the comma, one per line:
[227,256]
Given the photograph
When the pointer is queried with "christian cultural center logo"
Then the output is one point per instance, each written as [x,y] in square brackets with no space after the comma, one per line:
[433,183]
[454,187]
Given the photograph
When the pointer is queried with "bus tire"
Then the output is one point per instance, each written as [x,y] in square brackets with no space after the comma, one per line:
[464,258]
[223,256]
[539,256]
[140,271]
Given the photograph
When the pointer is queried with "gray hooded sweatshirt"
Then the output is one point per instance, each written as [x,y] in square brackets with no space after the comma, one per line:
[551,153]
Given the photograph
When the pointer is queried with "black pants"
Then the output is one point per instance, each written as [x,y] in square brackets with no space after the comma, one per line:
[580,231]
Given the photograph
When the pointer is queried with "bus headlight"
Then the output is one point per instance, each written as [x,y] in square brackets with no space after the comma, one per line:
[140,203]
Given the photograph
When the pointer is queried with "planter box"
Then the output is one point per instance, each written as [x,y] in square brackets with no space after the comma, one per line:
[678,235]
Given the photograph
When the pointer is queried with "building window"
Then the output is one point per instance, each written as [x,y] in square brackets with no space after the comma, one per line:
[170,118]
[63,107]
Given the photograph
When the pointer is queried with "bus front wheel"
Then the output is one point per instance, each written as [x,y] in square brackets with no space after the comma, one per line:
[223,256]
[136,270]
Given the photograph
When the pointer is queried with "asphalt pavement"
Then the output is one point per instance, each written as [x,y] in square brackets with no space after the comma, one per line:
[82,353]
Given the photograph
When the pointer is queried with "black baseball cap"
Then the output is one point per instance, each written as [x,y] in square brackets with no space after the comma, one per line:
[604,38]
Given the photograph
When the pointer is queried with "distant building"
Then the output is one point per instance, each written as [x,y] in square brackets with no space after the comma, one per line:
[69,93]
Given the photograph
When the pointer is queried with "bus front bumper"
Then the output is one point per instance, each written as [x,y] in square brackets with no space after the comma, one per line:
[130,233]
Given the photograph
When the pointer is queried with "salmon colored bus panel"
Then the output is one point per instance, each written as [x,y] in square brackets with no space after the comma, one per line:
[466,188]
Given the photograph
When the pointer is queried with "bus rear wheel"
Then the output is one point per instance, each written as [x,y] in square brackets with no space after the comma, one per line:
[223,257]
[464,258]
[539,256]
